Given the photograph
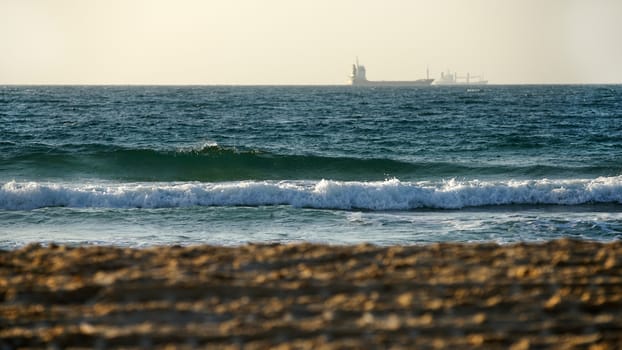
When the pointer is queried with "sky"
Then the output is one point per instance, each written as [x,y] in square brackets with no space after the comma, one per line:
[307,42]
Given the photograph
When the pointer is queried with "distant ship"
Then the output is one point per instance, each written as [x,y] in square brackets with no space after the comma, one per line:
[359,78]
[450,78]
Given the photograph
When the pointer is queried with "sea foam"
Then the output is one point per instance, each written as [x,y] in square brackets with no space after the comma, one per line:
[325,194]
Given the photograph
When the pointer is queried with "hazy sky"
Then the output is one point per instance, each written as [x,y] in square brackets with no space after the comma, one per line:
[307,42]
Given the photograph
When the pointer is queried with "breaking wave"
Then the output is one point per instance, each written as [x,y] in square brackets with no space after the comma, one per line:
[325,194]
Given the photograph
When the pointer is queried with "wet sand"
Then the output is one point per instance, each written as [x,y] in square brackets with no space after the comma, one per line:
[560,294]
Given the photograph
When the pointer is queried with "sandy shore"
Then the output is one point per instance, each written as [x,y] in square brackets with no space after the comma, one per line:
[561,294]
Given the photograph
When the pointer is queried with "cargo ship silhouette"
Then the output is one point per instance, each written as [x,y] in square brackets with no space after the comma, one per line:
[449,78]
[359,78]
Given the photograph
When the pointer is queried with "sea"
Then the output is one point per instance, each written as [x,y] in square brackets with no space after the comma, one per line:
[138,166]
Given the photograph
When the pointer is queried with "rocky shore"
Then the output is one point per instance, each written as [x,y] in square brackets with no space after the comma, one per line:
[562,294]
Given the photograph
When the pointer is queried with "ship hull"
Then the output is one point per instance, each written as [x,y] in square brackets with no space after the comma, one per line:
[419,82]
[474,83]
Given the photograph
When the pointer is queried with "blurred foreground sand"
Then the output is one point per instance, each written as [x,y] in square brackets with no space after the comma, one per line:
[560,294]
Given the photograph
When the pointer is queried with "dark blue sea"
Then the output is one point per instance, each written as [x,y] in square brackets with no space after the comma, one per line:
[144,165]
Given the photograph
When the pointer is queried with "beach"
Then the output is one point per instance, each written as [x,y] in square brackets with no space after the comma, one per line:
[556,294]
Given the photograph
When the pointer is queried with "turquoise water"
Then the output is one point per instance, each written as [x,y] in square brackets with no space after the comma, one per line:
[139,166]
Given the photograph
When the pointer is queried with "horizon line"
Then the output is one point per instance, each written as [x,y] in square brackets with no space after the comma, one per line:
[298,84]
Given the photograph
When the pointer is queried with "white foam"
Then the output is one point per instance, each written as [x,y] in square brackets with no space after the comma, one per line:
[384,195]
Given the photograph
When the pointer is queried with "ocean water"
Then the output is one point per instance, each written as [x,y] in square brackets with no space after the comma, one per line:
[143,165]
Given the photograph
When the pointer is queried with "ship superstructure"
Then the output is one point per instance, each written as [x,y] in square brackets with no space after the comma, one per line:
[359,78]
[449,78]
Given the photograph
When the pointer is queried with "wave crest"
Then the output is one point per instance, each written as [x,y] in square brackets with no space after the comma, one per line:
[325,194]
[211,162]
